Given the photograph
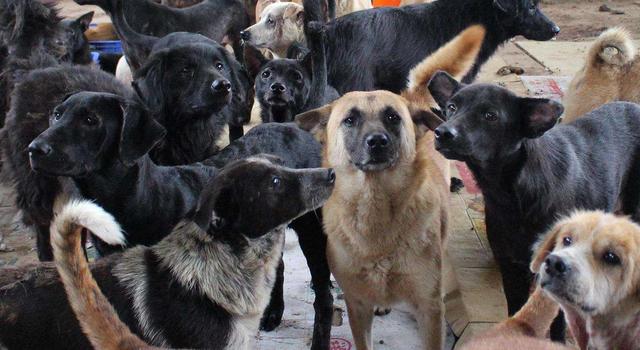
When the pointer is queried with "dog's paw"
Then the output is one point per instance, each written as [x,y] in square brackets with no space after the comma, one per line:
[456,185]
[271,318]
[378,311]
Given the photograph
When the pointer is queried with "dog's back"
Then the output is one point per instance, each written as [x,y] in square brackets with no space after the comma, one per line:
[610,73]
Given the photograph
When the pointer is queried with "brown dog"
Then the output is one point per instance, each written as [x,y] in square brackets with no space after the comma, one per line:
[611,73]
[590,264]
[386,220]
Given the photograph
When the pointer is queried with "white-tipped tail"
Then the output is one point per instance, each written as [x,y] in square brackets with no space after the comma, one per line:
[92,217]
[614,46]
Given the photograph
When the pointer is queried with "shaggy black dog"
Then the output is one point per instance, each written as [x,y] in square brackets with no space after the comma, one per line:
[76,42]
[531,172]
[219,20]
[375,49]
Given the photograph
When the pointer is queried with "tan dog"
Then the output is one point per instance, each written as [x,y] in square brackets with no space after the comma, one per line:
[281,24]
[611,73]
[386,220]
[590,264]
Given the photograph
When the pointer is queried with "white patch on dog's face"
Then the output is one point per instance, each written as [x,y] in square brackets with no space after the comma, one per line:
[280,25]
[600,258]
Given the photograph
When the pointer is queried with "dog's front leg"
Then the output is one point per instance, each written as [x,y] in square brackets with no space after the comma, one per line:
[272,315]
[361,321]
[430,317]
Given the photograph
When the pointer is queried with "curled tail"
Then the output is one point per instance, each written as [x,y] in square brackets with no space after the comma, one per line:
[614,46]
[456,58]
[534,319]
[97,317]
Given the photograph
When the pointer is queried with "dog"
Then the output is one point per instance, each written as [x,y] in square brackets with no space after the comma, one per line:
[530,171]
[287,87]
[376,48]
[588,263]
[609,73]
[157,20]
[281,24]
[204,286]
[370,140]
[76,41]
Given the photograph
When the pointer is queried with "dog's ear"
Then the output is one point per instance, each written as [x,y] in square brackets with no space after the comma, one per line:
[506,6]
[217,195]
[442,87]
[540,115]
[424,120]
[140,133]
[307,63]
[84,21]
[543,248]
[296,13]
[147,82]
[315,121]
[254,60]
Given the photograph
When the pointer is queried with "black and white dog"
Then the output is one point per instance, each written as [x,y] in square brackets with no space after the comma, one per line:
[205,285]
[531,172]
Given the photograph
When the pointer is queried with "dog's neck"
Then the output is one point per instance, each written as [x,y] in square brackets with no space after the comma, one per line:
[277,114]
[114,180]
[619,329]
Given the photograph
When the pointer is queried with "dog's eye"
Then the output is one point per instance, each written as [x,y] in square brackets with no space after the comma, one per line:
[276,181]
[490,116]
[185,71]
[266,74]
[349,121]
[393,117]
[611,259]
[91,120]
[451,107]
[219,66]
[567,241]
[57,115]
[270,21]
[296,76]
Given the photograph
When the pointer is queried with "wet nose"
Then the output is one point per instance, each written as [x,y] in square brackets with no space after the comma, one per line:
[556,29]
[555,266]
[446,133]
[39,148]
[221,85]
[331,176]
[377,141]
[245,35]
[278,87]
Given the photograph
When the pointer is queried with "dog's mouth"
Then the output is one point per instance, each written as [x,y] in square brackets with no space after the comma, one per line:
[560,292]
[449,152]
[375,164]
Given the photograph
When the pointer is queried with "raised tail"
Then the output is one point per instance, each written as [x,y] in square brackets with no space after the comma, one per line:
[456,58]
[533,320]
[97,317]
[614,46]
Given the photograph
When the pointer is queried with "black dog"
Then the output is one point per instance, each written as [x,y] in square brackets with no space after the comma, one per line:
[203,286]
[76,41]
[193,86]
[287,87]
[531,172]
[375,49]
[219,20]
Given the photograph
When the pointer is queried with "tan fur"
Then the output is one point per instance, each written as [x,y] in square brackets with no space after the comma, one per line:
[612,293]
[97,317]
[288,28]
[611,73]
[345,7]
[102,31]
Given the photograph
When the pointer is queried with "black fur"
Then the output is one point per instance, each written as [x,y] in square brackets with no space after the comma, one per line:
[76,42]
[531,172]
[376,48]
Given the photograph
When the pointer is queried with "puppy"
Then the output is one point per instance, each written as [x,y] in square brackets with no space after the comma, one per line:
[389,175]
[530,171]
[610,74]
[76,41]
[281,24]
[204,286]
[589,262]
[376,48]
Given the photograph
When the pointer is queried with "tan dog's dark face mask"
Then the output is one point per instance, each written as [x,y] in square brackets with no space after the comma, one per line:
[590,262]
[371,131]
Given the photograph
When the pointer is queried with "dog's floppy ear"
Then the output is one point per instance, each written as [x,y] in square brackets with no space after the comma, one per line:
[543,248]
[424,119]
[140,133]
[253,60]
[84,21]
[315,121]
[216,194]
[507,6]
[307,63]
[539,115]
[442,87]
[147,82]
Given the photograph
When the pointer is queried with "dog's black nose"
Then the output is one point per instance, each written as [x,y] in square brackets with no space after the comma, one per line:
[331,176]
[244,35]
[556,29]
[278,87]
[377,141]
[445,133]
[555,266]
[221,85]
[39,148]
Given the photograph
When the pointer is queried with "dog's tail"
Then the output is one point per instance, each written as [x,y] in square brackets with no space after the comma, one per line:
[614,47]
[456,58]
[97,317]
[533,320]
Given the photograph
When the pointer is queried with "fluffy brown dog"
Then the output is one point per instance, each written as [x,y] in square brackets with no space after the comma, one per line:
[386,220]
[590,264]
[611,73]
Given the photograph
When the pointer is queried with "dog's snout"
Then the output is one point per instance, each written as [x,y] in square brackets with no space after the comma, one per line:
[331,176]
[377,141]
[39,148]
[445,133]
[245,35]
[278,87]
[221,85]
[555,266]
[556,29]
